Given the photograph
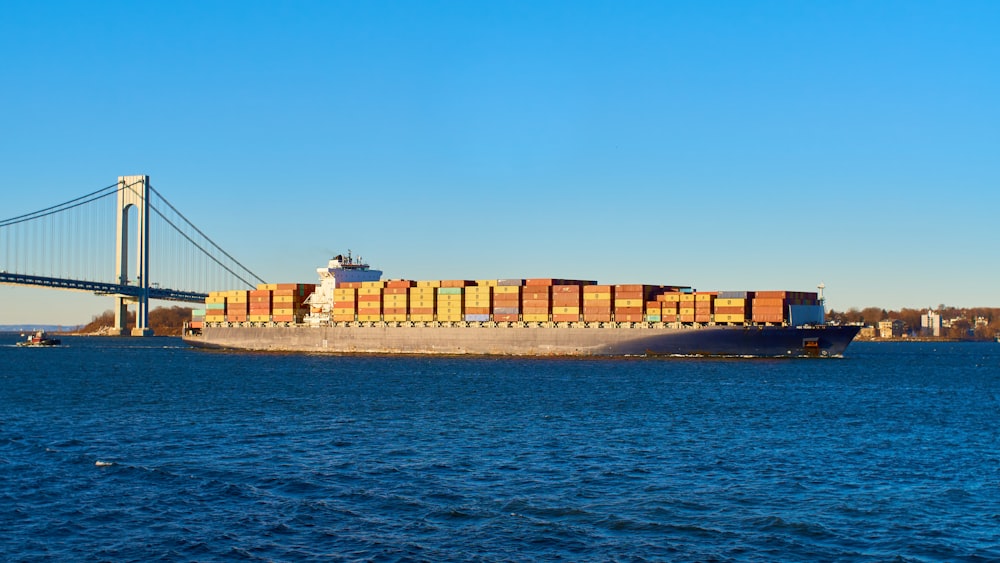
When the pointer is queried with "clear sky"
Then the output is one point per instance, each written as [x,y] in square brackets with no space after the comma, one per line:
[723,145]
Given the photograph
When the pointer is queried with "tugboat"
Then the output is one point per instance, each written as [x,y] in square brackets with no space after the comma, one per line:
[39,338]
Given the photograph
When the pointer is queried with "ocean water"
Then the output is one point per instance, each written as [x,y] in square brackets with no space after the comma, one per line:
[146,450]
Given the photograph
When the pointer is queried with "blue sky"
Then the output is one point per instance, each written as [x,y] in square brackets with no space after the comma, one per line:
[725,145]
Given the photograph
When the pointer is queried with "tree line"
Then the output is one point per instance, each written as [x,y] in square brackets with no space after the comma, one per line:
[165,321]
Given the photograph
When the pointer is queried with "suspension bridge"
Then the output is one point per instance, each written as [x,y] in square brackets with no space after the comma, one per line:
[125,241]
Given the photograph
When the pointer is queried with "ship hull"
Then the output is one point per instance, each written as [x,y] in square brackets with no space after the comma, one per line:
[535,340]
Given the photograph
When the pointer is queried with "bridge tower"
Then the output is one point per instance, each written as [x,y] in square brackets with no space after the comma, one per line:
[133,191]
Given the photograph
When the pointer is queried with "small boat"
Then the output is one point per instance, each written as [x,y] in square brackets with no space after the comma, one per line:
[39,338]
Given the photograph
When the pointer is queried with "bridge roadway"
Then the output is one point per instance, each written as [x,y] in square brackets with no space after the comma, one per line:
[103,288]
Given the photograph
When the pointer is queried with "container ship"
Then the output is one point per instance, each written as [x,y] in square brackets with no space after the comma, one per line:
[353,311]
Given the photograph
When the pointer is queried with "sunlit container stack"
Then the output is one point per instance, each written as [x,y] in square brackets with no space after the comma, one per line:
[345,302]
[370,301]
[629,301]
[479,301]
[197,318]
[773,306]
[237,306]
[597,303]
[423,300]
[567,302]
[733,306]
[259,309]
[536,300]
[704,303]
[396,300]
[215,307]
[451,300]
[507,300]
[669,306]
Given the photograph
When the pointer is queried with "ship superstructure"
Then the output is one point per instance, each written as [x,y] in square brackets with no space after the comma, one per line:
[339,270]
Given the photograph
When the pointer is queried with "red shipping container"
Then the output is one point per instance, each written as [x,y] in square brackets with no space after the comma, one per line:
[395,284]
[564,318]
[506,318]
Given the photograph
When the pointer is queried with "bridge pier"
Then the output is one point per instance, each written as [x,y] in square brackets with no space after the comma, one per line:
[133,191]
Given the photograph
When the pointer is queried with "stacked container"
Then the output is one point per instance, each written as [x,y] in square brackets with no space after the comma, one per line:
[704,302]
[197,318]
[345,302]
[451,300]
[215,307]
[259,310]
[423,300]
[370,301]
[669,306]
[479,301]
[733,306]
[686,308]
[507,300]
[536,300]
[396,300]
[288,301]
[597,303]
[567,303]
[773,306]
[629,300]
[237,303]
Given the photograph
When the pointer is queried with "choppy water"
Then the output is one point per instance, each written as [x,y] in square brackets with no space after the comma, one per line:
[143,450]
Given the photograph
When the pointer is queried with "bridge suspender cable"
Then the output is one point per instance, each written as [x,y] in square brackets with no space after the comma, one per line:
[197,230]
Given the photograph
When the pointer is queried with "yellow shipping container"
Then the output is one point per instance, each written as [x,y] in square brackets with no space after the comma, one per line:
[422,318]
[447,318]
[687,310]
[486,283]
[259,318]
[371,284]
[704,297]
[395,299]
[670,297]
[629,302]
[215,299]
[507,289]
[369,290]
[730,302]
[429,283]
[422,304]
[449,298]
[534,318]
[343,318]
[566,311]
[730,318]
[369,317]
[687,298]
[267,286]
[477,290]
[284,299]
[477,302]
[394,318]
[597,296]
[449,311]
